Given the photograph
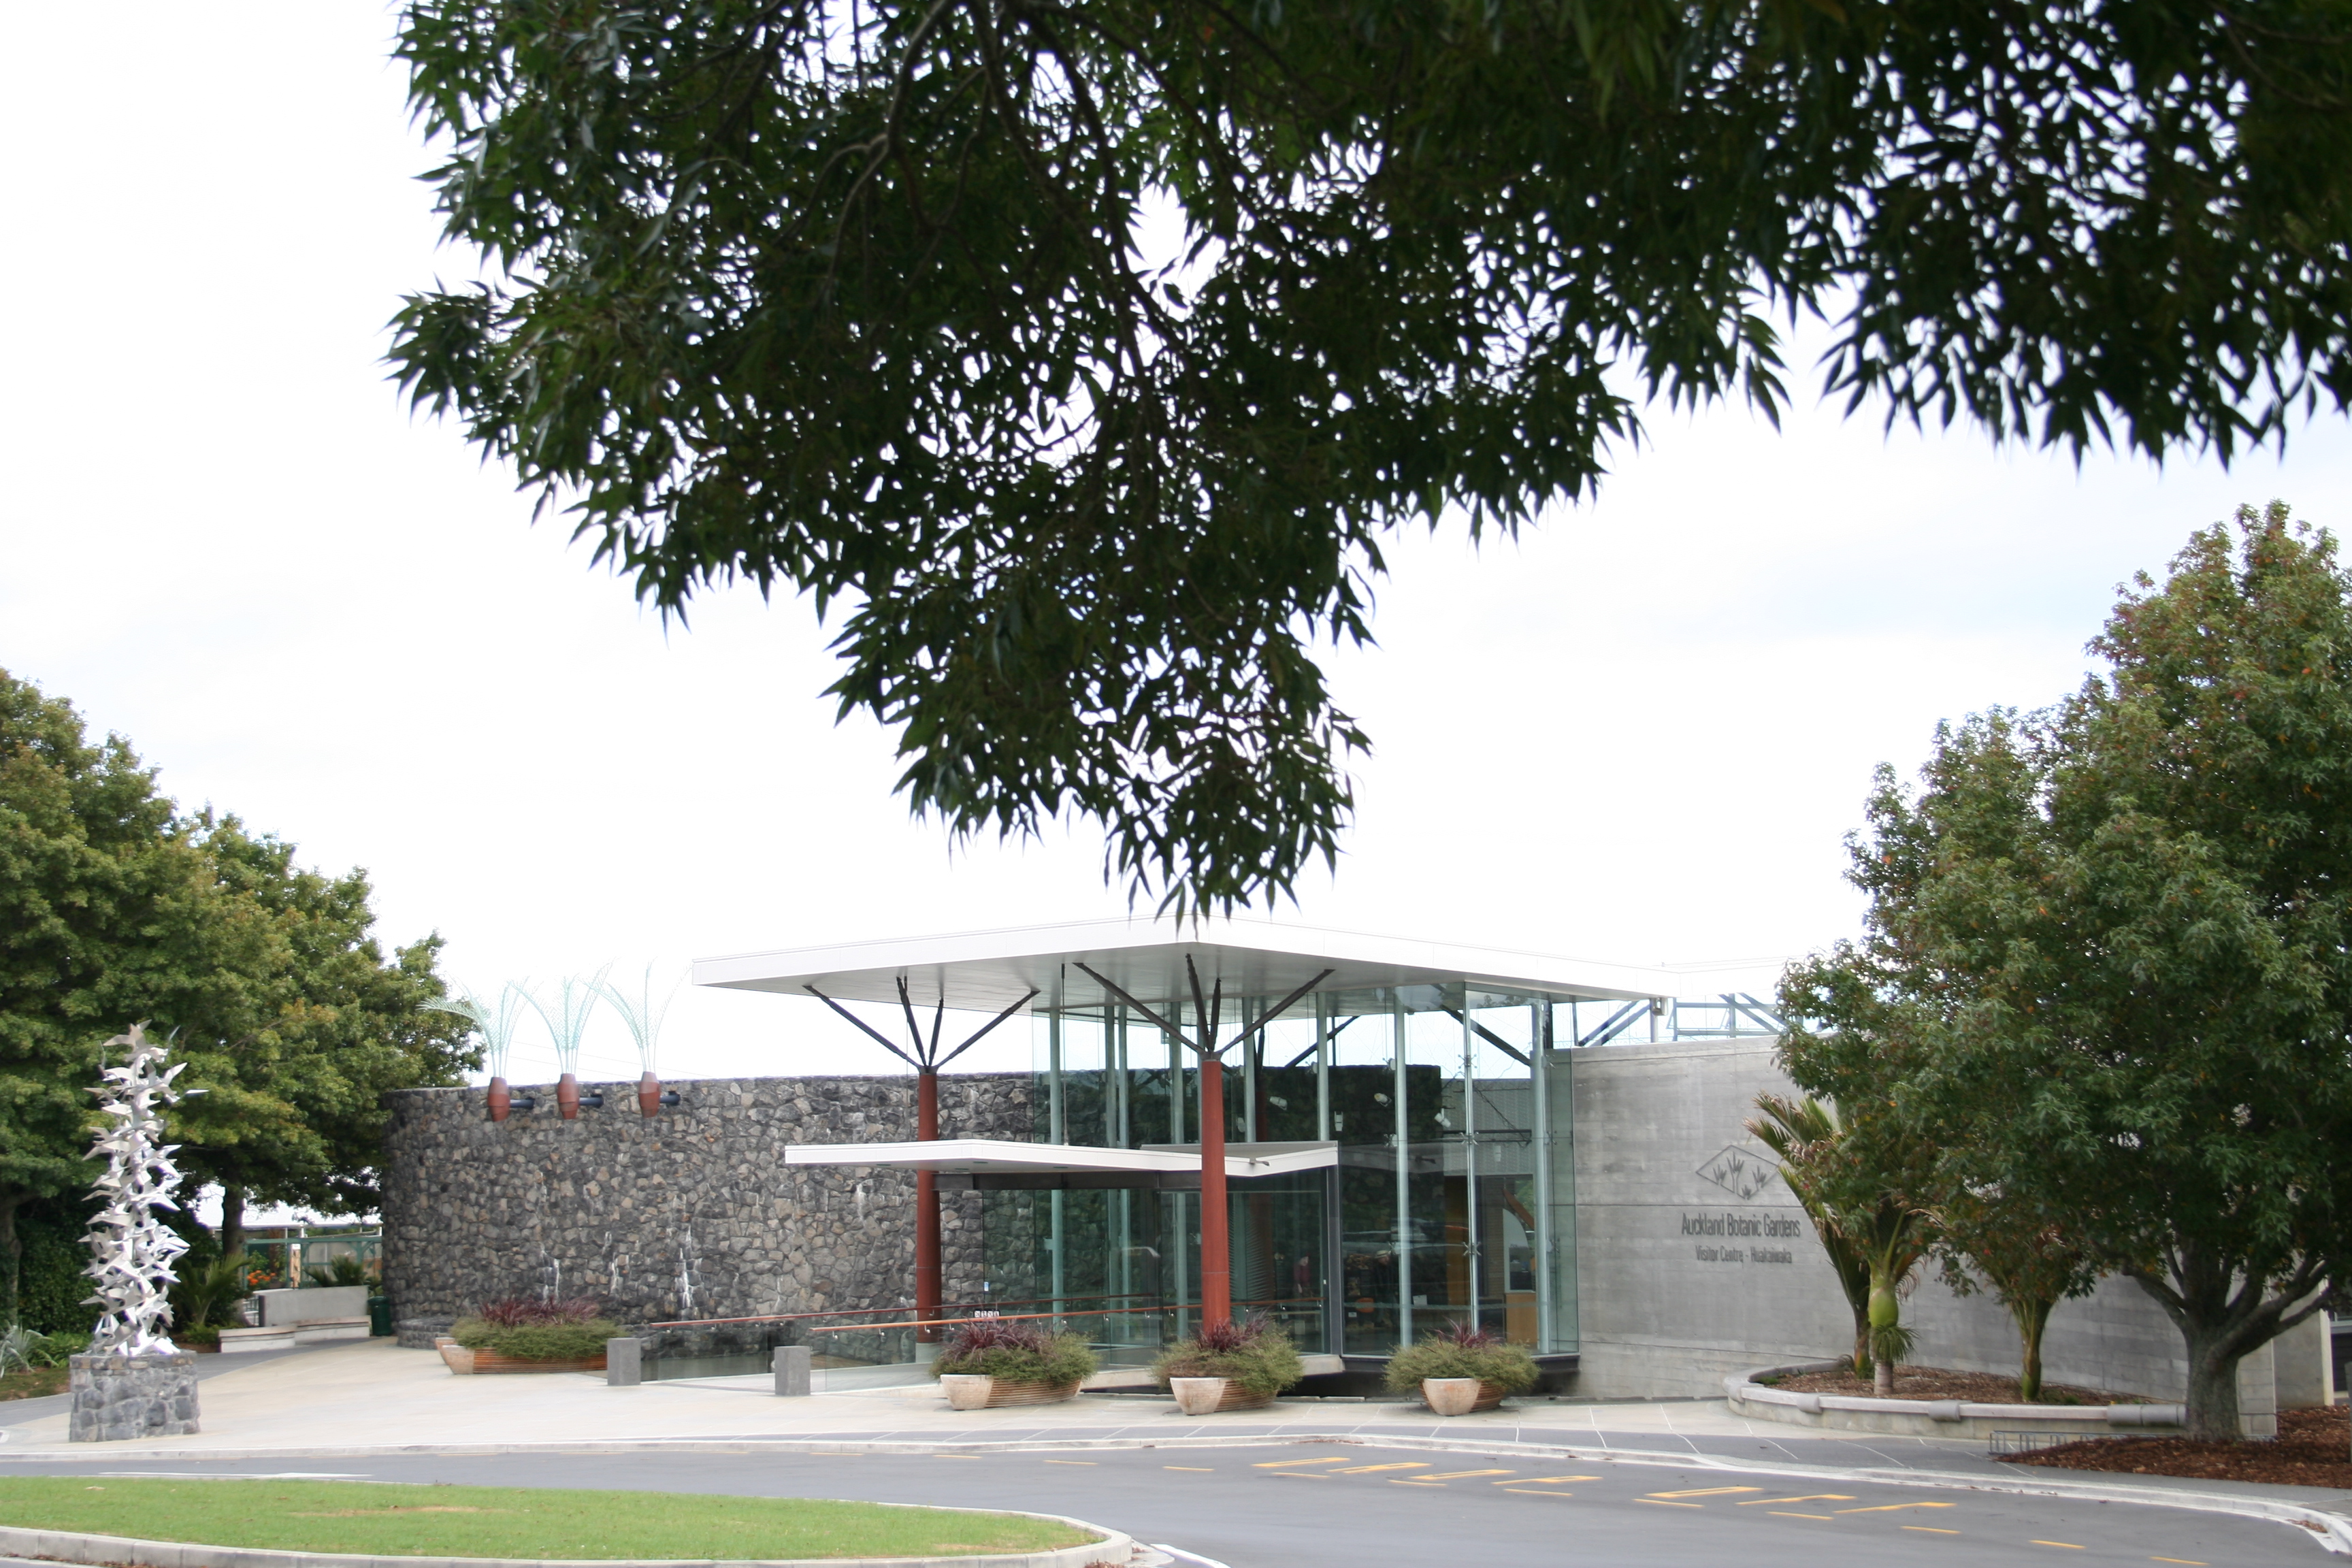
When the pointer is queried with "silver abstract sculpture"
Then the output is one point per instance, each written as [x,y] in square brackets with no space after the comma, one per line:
[131,1251]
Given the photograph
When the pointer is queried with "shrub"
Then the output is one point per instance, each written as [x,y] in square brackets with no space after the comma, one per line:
[1256,1355]
[537,1330]
[1019,1352]
[1464,1350]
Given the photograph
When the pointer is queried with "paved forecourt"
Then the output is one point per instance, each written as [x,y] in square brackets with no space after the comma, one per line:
[1656,1482]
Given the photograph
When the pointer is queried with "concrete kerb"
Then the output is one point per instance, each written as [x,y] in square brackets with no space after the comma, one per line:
[48,1548]
[1927,1417]
[2332,1531]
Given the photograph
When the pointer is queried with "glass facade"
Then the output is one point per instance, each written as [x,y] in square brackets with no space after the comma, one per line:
[1452,1199]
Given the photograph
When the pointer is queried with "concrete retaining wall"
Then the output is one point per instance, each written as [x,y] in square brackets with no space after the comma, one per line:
[1693,1261]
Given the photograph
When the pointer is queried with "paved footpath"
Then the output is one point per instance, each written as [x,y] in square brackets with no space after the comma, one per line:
[1654,1483]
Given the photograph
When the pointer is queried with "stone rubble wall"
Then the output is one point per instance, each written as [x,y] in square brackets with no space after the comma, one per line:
[691,1213]
[116,1398]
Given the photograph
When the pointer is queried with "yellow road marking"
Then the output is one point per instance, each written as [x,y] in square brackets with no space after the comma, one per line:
[1530,1492]
[1815,1497]
[1299,1476]
[1546,1480]
[1783,1513]
[1707,1491]
[1279,1463]
[1896,1507]
[1070,1461]
[1368,1469]
[1462,1474]
[1656,1503]
[1932,1530]
[1204,1469]
[2190,1561]
[2067,1544]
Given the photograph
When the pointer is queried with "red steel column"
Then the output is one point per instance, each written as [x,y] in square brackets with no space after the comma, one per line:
[1216,1248]
[927,1209]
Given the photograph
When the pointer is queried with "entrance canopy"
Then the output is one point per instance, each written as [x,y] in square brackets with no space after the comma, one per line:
[987,972]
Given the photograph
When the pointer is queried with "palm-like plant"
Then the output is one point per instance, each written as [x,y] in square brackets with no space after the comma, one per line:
[495,1024]
[1873,1243]
[640,1012]
[567,1012]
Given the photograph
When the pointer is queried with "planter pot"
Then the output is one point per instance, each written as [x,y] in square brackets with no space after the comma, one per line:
[567,1097]
[1208,1396]
[501,1099]
[966,1392]
[1459,1396]
[461,1360]
[649,1098]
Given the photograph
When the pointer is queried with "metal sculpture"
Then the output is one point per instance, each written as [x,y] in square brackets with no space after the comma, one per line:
[497,1027]
[131,1251]
[644,1017]
[567,1020]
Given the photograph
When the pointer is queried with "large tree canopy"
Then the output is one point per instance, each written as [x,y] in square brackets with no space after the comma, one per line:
[115,908]
[2108,968]
[1088,352]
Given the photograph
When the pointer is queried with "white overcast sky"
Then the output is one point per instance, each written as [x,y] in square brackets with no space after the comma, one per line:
[1639,733]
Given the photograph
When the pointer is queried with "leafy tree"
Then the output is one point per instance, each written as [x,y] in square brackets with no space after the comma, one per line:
[299,1042]
[2106,968]
[1089,353]
[115,908]
[2033,1260]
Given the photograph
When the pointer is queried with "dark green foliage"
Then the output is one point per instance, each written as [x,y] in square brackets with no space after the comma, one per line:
[206,1294]
[987,1347]
[1253,1354]
[51,1286]
[1462,1352]
[2107,973]
[848,299]
[579,1339]
[114,908]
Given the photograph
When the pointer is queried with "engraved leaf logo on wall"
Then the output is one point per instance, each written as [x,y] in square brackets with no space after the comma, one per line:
[1740,1172]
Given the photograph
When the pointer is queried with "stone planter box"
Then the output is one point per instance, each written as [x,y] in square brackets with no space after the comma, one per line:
[117,1397]
[463,1361]
[1460,1396]
[1209,1395]
[1931,1417]
[966,1392]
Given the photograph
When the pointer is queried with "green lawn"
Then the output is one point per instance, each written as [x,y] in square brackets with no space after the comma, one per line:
[506,1521]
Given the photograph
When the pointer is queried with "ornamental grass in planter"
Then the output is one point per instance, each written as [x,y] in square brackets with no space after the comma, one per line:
[517,1335]
[1254,1361]
[987,1363]
[1461,1355]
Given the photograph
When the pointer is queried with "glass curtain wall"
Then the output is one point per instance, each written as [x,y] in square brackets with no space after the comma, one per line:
[1453,1201]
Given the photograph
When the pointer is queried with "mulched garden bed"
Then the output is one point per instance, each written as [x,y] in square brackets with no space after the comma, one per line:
[2311,1451]
[1940,1383]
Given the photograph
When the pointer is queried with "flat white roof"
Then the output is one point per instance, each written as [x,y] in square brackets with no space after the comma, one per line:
[987,972]
[970,1156]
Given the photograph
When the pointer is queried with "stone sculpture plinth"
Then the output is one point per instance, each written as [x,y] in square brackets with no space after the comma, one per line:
[117,1396]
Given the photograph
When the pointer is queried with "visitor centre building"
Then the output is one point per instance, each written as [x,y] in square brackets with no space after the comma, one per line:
[1398,1136]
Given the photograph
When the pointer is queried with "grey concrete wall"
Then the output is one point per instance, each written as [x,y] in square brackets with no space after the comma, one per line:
[690,1213]
[1694,1260]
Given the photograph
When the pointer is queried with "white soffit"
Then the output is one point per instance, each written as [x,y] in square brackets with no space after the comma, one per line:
[987,972]
[970,1156]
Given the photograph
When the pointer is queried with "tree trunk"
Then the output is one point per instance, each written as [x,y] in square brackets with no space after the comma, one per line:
[1885,1313]
[12,1254]
[232,1226]
[2032,1317]
[1862,1338]
[2213,1411]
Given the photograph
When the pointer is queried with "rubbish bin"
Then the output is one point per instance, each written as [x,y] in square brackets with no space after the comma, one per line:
[379,1314]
